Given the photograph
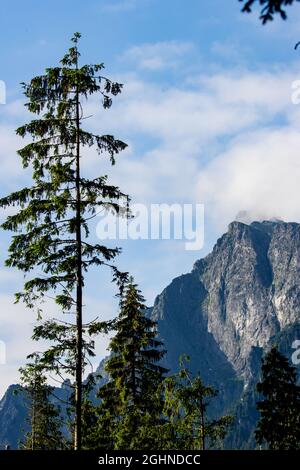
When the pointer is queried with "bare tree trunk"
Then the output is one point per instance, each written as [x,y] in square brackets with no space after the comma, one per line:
[202,427]
[78,385]
[33,425]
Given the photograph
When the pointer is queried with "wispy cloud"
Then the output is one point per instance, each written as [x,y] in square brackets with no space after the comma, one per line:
[160,55]
[230,51]
[258,173]
[194,153]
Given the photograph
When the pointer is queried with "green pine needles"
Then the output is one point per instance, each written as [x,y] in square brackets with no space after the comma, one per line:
[44,418]
[189,424]
[51,225]
[130,411]
[279,407]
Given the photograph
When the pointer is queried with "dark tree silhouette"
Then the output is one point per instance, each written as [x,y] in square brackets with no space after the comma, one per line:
[269,9]
[279,423]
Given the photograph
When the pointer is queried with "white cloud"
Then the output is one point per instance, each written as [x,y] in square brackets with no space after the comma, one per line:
[202,109]
[268,90]
[16,329]
[14,114]
[8,275]
[229,51]
[191,125]
[157,56]
[259,172]
[9,144]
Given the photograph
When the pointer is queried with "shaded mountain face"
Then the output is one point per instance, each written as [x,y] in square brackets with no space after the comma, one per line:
[235,303]
[13,413]
[14,423]
[237,298]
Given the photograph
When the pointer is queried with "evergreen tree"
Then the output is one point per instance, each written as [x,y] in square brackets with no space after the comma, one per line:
[188,425]
[131,402]
[279,423]
[59,359]
[44,417]
[52,224]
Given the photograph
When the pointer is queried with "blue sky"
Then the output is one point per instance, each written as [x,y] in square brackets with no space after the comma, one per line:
[206,111]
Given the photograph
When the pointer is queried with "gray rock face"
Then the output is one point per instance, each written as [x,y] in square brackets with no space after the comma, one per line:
[13,412]
[236,302]
[237,298]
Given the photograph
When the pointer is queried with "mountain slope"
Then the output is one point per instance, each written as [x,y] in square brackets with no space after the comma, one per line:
[235,303]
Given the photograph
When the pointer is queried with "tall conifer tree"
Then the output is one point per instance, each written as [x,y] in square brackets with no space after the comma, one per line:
[131,402]
[188,423]
[279,423]
[44,416]
[52,224]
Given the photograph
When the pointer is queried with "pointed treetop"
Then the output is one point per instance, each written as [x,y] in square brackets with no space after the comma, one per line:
[76,37]
[72,56]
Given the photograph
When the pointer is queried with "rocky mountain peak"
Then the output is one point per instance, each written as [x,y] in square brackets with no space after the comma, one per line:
[247,289]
